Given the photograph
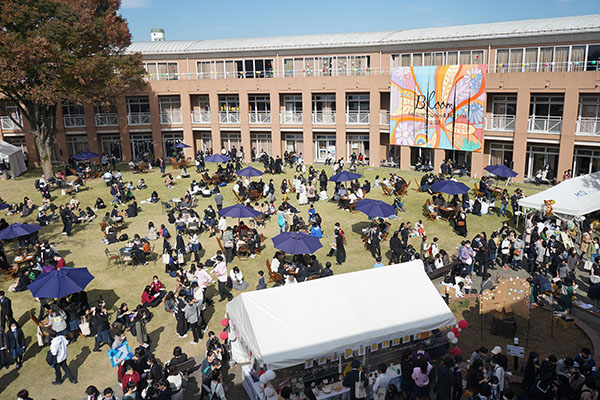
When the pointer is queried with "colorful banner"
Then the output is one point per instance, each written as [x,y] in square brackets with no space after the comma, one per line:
[440,107]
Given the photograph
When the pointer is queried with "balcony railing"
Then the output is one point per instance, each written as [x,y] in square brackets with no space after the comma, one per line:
[357,118]
[384,118]
[551,125]
[139,118]
[8,124]
[260,117]
[74,120]
[201,117]
[229,117]
[503,123]
[323,118]
[107,119]
[170,117]
[290,117]
[588,126]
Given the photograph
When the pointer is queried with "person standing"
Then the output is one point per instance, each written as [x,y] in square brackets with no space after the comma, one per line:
[58,349]
[220,270]
[443,385]
[193,310]
[218,199]
[6,312]
[15,342]
[420,375]
[340,250]
[354,376]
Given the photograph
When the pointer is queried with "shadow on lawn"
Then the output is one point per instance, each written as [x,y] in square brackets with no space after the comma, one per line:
[155,335]
[109,296]
[6,379]
[78,361]
[359,226]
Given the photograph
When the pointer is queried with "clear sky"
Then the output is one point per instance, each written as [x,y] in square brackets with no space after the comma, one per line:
[206,19]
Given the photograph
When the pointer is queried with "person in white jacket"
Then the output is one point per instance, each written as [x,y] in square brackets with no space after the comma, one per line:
[58,349]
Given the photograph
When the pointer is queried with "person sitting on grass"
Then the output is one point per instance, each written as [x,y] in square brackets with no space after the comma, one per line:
[150,298]
[141,184]
[169,182]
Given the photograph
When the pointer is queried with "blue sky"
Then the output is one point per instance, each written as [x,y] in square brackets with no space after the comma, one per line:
[202,19]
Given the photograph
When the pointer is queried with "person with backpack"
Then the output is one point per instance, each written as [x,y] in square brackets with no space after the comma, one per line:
[217,387]
[207,375]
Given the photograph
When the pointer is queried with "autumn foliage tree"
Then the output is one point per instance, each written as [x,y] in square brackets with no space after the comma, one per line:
[57,51]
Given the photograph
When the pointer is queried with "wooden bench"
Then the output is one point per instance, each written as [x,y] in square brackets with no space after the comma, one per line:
[186,367]
[477,191]
[273,276]
[440,271]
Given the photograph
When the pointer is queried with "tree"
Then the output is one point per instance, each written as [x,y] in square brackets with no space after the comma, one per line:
[57,51]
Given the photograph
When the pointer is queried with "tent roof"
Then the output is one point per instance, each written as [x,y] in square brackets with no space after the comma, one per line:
[575,197]
[8,149]
[285,326]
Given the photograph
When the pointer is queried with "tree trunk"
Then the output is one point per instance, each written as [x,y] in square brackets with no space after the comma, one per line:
[43,143]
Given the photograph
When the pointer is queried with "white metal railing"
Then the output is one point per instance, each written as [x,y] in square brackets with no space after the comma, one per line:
[9,124]
[496,122]
[357,117]
[323,118]
[384,118]
[107,119]
[588,126]
[227,117]
[290,117]
[171,76]
[260,117]
[139,118]
[170,117]
[201,117]
[545,124]
[74,120]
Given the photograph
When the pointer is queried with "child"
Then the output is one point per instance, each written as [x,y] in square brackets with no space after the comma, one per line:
[261,281]
[468,282]
[419,228]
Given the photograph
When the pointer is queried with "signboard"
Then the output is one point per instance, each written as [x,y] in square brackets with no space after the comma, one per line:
[515,351]
[439,107]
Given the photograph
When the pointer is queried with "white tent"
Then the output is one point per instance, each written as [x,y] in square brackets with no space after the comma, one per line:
[573,197]
[285,326]
[13,157]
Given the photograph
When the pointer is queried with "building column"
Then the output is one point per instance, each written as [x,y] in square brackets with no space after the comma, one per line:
[405,158]
[245,125]
[90,130]
[477,163]
[307,132]
[126,154]
[61,137]
[340,125]
[374,130]
[156,127]
[275,124]
[215,127]
[567,134]
[186,120]
[438,159]
[520,135]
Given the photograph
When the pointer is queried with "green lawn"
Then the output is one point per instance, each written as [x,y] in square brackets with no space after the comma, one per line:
[84,249]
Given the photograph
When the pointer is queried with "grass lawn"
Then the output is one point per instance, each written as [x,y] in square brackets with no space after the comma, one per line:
[84,249]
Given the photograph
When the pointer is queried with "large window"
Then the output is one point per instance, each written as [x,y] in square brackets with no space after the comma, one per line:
[73,115]
[538,157]
[588,121]
[259,109]
[111,145]
[261,141]
[548,58]
[142,146]
[323,108]
[138,110]
[230,140]
[235,69]
[160,71]
[76,144]
[586,161]
[545,113]
[229,109]
[327,66]
[501,154]
[438,58]
[170,109]
[357,108]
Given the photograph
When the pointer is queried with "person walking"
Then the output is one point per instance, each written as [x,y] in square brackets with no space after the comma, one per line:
[6,312]
[353,377]
[59,352]
[340,250]
[193,316]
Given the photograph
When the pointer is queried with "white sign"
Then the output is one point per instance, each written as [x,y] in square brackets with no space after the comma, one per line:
[515,351]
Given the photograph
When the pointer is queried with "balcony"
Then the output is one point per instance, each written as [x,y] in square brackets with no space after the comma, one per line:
[290,117]
[107,119]
[260,117]
[138,118]
[74,120]
[502,123]
[170,117]
[384,118]
[586,126]
[357,118]
[550,125]
[320,118]
[10,125]
[201,117]
[226,117]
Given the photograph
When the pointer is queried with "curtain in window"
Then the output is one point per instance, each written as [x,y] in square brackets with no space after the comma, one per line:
[477,57]
[230,70]
[531,59]
[452,58]
[426,59]
[561,58]
[438,59]
[465,57]
[577,58]
[288,67]
[406,60]
[516,60]
[501,60]
[417,59]
[151,71]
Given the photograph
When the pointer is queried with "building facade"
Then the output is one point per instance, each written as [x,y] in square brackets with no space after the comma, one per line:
[331,93]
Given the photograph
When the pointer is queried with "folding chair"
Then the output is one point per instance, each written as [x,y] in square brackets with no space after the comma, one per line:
[112,257]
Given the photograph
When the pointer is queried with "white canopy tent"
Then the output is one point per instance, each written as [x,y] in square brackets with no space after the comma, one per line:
[285,326]
[14,157]
[573,198]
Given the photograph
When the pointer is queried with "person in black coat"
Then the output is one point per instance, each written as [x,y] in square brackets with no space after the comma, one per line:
[340,251]
[180,244]
[15,342]
[396,248]
[6,313]
[354,376]
[445,378]
[3,355]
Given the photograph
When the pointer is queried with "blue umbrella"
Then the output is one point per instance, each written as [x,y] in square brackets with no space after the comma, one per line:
[217,158]
[297,243]
[60,283]
[344,176]
[239,211]
[181,145]
[501,170]
[449,187]
[375,208]
[4,206]
[86,155]
[16,229]
[249,171]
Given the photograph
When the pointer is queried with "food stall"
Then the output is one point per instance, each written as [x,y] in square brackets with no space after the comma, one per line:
[308,333]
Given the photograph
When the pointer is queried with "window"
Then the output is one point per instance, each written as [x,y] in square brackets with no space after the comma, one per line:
[72,109]
[259,103]
[540,156]
[325,66]
[463,57]
[230,140]
[546,59]
[589,106]
[288,67]
[138,105]
[586,161]
[546,106]
[229,104]
[593,58]
[170,109]
[501,154]
[232,69]
[162,70]
[73,116]
[76,144]
[504,105]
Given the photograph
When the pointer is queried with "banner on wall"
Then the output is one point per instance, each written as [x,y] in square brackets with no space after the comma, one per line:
[439,107]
